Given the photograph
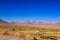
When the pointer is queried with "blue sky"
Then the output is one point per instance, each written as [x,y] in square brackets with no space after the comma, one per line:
[30,10]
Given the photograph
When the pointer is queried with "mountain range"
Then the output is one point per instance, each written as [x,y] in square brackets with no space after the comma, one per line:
[36,24]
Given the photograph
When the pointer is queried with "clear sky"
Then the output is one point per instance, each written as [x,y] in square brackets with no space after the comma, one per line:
[30,10]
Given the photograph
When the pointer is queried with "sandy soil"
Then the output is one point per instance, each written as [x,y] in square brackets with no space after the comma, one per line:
[5,37]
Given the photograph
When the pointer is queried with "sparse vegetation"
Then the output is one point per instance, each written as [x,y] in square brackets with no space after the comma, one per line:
[29,32]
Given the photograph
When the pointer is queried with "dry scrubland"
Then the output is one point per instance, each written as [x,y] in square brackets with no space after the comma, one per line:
[30,33]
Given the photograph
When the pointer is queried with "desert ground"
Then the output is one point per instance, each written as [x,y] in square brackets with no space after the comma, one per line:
[29,31]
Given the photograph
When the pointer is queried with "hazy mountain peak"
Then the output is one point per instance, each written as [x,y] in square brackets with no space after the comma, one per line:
[3,21]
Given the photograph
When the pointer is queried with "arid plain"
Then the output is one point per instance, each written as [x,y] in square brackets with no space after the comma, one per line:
[30,30]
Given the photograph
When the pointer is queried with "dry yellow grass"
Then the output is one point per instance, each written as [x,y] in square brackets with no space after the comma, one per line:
[28,32]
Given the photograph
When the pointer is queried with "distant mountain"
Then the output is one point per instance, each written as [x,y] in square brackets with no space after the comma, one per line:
[38,24]
[35,24]
[3,22]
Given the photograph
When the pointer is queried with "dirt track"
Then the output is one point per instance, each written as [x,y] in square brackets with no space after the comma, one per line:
[4,37]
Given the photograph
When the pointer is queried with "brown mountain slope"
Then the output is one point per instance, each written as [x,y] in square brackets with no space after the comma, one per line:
[3,22]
